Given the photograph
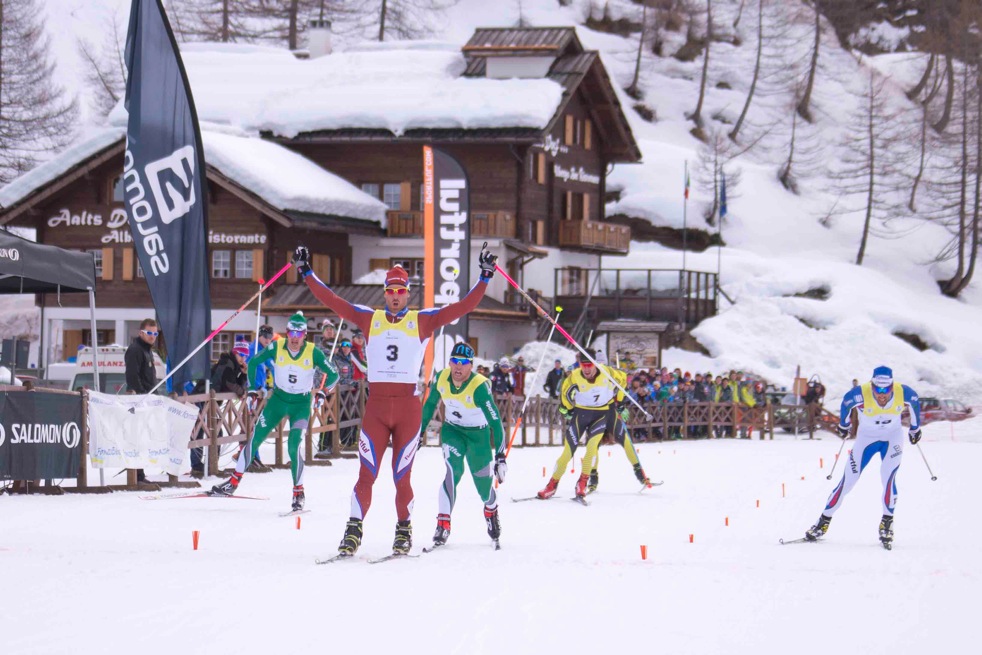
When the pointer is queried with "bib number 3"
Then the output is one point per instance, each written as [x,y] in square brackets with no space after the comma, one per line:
[393,353]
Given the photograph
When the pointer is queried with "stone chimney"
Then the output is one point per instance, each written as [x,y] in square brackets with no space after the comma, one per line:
[319,37]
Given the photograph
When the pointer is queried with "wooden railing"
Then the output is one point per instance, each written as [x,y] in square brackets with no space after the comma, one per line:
[670,295]
[608,237]
[483,224]
[225,419]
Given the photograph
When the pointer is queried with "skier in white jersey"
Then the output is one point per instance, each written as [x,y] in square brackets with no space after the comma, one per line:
[878,406]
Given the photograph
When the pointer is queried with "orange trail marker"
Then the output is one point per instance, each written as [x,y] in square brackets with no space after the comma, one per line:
[691,538]
[727,520]
[782,490]
[543,471]
[802,477]
[298,523]
[758,503]
[821,463]
[194,538]
[644,552]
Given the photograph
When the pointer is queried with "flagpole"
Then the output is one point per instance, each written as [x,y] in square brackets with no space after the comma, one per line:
[719,231]
[685,212]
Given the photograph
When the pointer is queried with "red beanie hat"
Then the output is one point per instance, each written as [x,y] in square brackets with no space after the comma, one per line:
[397,275]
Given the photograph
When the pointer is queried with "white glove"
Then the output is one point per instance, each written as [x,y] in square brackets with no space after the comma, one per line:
[319,399]
[500,467]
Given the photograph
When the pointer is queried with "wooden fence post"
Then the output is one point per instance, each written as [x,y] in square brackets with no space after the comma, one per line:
[211,432]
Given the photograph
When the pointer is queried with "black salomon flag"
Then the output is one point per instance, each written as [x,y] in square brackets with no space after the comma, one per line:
[447,238]
[164,180]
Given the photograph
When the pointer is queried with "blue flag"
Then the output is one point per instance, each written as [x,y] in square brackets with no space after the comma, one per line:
[722,194]
[164,181]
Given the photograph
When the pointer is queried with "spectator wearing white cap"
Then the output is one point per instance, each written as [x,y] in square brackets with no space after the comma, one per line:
[502,377]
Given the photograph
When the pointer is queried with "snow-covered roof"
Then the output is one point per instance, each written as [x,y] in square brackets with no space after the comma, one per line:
[287,180]
[281,177]
[392,86]
[87,146]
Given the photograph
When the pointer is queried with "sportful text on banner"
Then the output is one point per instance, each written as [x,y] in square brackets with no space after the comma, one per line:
[447,235]
[40,435]
[155,434]
[165,193]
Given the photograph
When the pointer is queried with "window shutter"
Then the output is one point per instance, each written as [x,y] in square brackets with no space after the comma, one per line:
[570,129]
[588,134]
[258,260]
[322,267]
[291,273]
[541,173]
[128,267]
[378,264]
[586,206]
[406,196]
[107,263]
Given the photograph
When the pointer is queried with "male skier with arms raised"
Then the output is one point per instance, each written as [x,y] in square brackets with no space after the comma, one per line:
[396,342]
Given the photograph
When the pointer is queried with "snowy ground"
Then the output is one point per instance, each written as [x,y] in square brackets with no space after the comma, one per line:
[121,571]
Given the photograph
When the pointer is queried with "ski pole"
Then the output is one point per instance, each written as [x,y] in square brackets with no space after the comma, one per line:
[841,448]
[569,338]
[933,476]
[218,329]
[535,377]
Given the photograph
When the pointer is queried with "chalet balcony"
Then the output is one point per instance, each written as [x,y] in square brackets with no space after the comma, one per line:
[499,225]
[668,295]
[595,236]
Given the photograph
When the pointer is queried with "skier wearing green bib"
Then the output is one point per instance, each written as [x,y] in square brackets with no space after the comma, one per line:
[472,431]
[293,361]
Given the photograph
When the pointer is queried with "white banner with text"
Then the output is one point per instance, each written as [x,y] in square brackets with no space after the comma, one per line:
[138,431]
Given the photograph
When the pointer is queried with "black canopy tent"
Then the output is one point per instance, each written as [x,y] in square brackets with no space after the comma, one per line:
[28,267]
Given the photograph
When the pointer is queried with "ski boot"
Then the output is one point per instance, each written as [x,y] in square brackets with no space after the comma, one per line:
[594,481]
[581,485]
[352,538]
[442,530]
[550,489]
[819,529]
[228,487]
[886,531]
[298,498]
[639,474]
[404,538]
[494,525]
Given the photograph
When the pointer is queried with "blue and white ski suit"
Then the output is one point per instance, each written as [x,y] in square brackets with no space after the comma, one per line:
[879,432]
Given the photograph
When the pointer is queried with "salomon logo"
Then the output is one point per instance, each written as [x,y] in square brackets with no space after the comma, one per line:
[172,203]
[10,253]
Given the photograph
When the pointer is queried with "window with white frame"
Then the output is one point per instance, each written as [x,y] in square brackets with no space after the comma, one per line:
[392,196]
[139,269]
[221,263]
[222,343]
[243,264]
[371,189]
[98,261]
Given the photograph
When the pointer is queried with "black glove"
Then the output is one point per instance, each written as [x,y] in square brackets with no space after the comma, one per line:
[301,259]
[500,467]
[843,432]
[914,435]
[487,262]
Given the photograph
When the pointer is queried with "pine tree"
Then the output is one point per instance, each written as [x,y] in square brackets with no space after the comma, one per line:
[36,115]
[106,69]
